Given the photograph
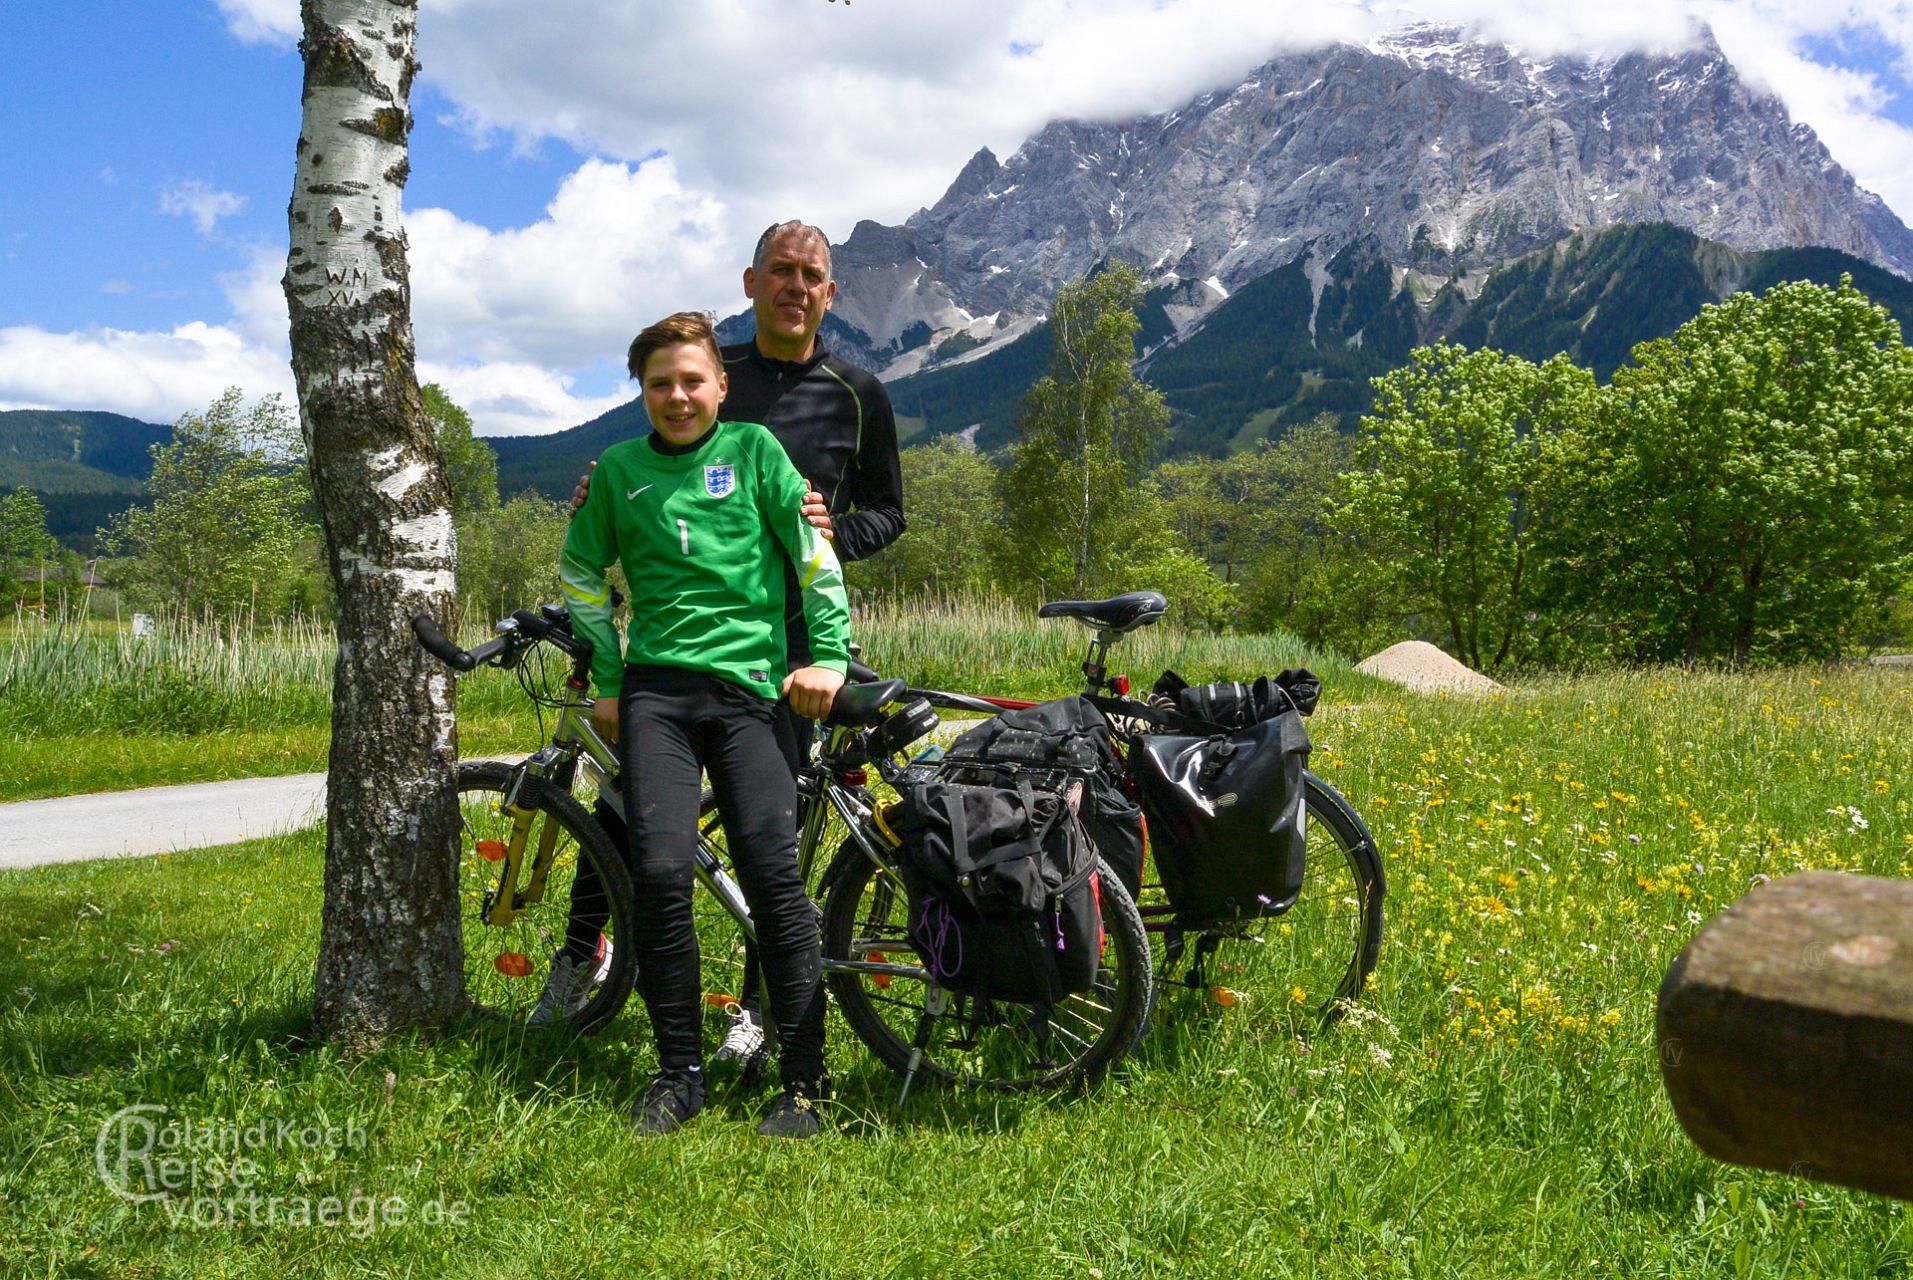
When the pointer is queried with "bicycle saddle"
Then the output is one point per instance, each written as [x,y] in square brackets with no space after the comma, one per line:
[1125,612]
[857,704]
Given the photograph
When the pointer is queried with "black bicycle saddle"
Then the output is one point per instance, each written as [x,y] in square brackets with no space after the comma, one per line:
[1125,612]
[857,704]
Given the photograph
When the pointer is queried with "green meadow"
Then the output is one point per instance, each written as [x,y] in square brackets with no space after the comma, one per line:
[1492,1109]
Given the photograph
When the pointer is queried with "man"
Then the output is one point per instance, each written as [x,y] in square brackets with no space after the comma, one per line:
[835,422]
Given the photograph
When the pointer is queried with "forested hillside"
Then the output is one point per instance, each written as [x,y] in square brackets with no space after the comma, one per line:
[1276,354]
[74,451]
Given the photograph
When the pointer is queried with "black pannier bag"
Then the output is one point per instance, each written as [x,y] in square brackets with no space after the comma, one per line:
[1067,733]
[1004,899]
[1226,818]
[1231,704]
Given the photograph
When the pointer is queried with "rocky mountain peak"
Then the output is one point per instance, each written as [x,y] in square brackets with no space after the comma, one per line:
[1452,154]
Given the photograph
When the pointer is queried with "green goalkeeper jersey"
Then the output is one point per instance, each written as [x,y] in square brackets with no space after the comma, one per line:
[703,535]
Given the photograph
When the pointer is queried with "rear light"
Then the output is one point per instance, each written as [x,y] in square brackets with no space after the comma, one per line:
[491,850]
[853,778]
[1121,685]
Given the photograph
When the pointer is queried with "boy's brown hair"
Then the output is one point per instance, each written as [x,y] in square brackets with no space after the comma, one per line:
[674,330]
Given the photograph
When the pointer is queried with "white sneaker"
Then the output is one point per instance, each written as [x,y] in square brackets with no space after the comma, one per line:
[744,1041]
[569,984]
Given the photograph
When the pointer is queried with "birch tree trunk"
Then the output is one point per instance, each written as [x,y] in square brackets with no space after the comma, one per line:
[389,953]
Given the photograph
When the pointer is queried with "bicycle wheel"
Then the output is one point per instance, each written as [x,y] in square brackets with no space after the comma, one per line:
[1301,970]
[509,953]
[866,918]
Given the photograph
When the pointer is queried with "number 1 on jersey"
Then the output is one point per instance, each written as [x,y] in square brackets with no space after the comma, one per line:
[684,536]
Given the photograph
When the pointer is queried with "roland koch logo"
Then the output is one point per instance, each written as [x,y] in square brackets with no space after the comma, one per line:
[207,1172]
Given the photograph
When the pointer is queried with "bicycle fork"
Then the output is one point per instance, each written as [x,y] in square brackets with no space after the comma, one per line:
[506,901]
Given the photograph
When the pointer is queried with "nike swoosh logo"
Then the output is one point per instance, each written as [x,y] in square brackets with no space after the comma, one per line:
[635,492]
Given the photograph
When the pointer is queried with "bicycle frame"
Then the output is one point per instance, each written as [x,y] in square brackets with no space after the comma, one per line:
[577,746]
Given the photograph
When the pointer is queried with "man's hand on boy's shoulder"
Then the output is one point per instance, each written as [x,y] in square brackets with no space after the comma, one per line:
[817,512]
[583,490]
[811,690]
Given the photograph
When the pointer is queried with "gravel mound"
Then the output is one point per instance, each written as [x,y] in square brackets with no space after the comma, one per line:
[1421,666]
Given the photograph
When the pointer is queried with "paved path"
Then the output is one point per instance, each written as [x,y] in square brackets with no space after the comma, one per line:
[120,824]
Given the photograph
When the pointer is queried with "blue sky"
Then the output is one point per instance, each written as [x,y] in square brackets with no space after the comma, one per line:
[579,168]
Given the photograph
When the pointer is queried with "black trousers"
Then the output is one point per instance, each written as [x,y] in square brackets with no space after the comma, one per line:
[673,725]
[588,908]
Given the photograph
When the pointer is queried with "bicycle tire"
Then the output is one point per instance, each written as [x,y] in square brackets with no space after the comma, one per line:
[1313,961]
[506,966]
[865,915]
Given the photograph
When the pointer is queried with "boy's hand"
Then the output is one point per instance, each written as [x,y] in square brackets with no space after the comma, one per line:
[814,510]
[811,690]
[604,714]
[583,490]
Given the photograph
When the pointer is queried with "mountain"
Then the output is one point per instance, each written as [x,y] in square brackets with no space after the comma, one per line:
[68,451]
[87,466]
[1278,352]
[1306,338]
[1444,156]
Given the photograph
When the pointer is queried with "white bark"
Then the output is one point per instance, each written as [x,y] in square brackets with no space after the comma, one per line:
[389,952]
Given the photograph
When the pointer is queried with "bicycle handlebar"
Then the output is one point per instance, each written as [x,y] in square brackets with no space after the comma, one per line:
[434,642]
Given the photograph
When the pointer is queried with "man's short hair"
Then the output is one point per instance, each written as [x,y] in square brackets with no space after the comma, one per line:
[674,330]
[802,230]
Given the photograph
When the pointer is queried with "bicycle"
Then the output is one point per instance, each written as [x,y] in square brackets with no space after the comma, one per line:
[1310,963]
[517,913]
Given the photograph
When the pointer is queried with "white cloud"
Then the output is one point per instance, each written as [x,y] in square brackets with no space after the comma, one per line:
[204,204]
[619,246]
[837,113]
[262,21]
[154,376]
[485,328]
[511,399]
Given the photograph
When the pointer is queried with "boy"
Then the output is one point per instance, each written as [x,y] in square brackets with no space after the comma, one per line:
[702,514]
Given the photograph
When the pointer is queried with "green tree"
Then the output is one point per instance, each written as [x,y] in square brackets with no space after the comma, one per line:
[508,555]
[955,528]
[1459,468]
[225,514]
[25,545]
[1333,588]
[1223,508]
[1086,429]
[1748,488]
[471,465]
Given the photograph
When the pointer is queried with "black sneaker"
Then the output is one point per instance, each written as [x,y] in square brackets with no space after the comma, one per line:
[798,1111]
[672,1099]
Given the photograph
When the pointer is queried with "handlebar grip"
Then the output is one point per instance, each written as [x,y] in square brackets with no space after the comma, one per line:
[490,649]
[444,650]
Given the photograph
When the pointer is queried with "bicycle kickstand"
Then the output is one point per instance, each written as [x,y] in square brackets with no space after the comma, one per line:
[935,1004]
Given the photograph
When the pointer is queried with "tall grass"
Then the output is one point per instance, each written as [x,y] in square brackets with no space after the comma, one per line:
[66,674]
[990,645]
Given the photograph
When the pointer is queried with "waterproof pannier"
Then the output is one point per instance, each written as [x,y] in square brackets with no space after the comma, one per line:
[1004,899]
[1227,824]
[1071,734]
[1231,704]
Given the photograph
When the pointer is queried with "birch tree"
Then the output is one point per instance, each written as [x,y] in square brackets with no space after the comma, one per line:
[1086,430]
[389,954]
